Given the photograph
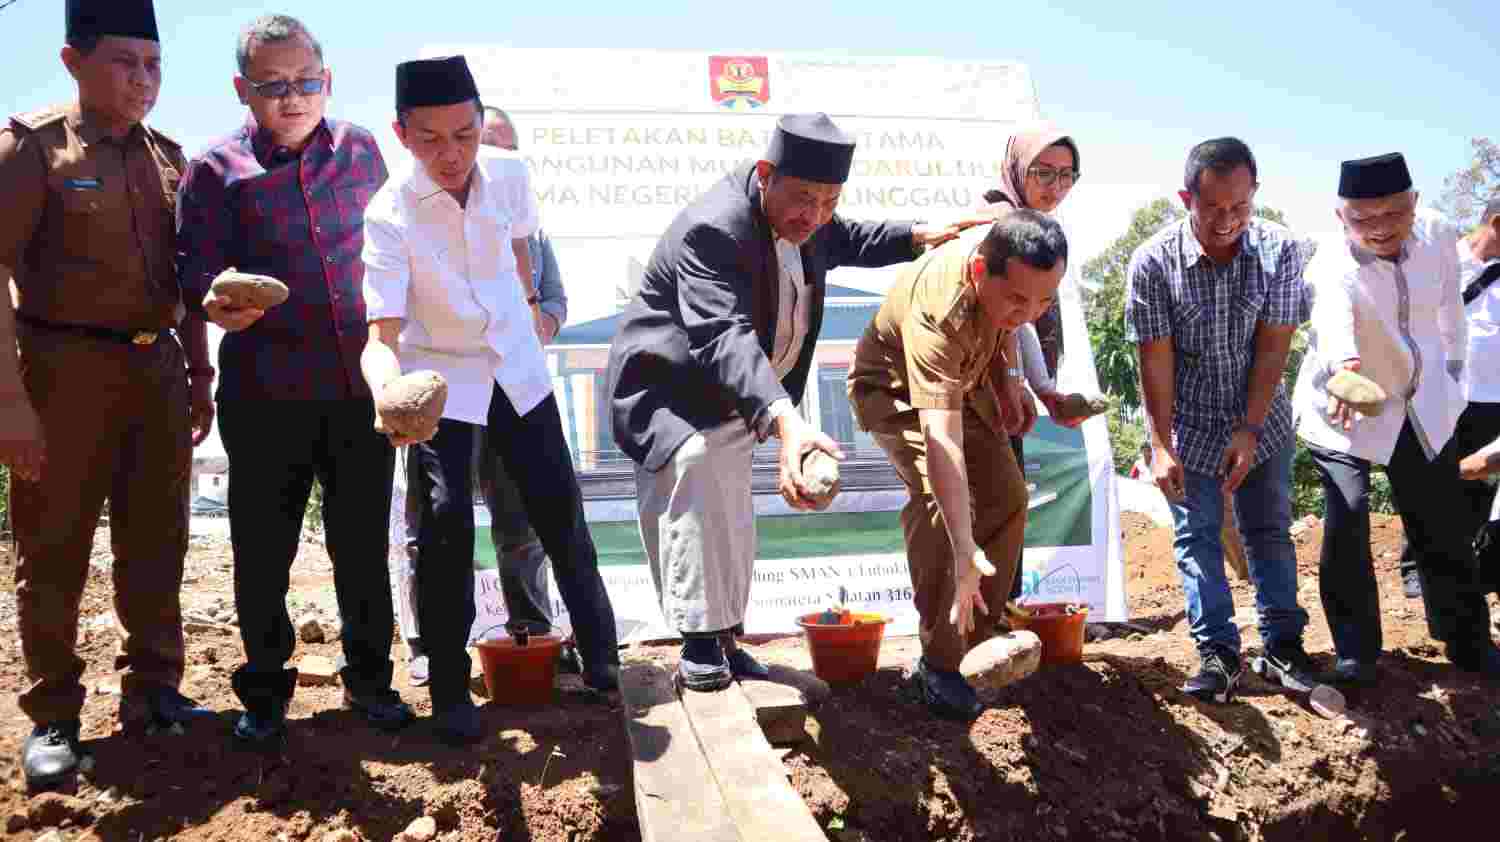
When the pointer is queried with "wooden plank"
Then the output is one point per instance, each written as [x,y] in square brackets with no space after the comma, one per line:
[751,778]
[780,710]
[676,796]
[783,702]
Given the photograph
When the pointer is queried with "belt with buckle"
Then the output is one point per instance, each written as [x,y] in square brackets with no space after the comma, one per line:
[124,337]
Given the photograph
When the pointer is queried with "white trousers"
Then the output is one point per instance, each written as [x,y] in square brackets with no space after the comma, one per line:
[697,521]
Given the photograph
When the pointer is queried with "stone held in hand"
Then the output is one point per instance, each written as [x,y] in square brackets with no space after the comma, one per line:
[242,289]
[1002,660]
[1357,390]
[411,405]
[820,472]
[1080,405]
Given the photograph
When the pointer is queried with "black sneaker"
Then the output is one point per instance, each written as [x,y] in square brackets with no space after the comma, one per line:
[1288,666]
[741,663]
[1411,583]
[381,708]
[1216,680]
[263,725]
[266,697]
[703,667]
[459,724]
[947,694]
[50,755]
[159,708]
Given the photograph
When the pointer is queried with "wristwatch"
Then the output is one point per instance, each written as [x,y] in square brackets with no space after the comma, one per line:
[533,299]
[1256,430]
[1014,372]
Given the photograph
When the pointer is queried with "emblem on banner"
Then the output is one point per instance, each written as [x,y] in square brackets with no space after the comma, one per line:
[739,83]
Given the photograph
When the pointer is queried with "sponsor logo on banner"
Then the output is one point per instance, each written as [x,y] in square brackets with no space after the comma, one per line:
[739,83]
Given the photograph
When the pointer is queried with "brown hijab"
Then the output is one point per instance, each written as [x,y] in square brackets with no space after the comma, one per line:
[1020,151]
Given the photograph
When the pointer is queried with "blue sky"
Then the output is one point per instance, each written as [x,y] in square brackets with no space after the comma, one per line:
[1306,83]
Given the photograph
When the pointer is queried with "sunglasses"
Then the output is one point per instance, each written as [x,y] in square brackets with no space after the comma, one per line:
[1047,175]
[281,89]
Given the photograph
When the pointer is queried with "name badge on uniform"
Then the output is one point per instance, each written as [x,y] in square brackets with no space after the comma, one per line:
[84,184]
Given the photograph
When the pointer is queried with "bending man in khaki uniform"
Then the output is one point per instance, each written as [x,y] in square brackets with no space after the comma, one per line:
[99,404]
[920,384]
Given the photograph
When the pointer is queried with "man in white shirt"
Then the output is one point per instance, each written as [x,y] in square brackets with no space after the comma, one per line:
[444,292]
[1479,278]
[1387,305]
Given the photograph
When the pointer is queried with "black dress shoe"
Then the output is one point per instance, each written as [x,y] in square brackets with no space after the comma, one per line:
[603,678]
[50,755]
[1349,672]
[947,694]
[459,724]
[743,665]
[568,662]
[381,708]
[702,666]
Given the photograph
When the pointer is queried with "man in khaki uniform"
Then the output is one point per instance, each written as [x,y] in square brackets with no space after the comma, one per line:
[920,384]
[98,405]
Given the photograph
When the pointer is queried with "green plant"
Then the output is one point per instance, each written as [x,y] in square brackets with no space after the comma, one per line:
[1125,440]
[313,518]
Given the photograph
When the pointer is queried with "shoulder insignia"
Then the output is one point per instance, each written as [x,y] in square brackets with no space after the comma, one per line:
[40,118]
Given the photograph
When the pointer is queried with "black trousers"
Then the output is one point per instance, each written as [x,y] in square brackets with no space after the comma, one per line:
[1477,427]
[1017,444]
[522,561]
[276,450]
[1430,500]
[533,450]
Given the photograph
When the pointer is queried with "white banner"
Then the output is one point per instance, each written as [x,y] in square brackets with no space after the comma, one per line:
[618,141]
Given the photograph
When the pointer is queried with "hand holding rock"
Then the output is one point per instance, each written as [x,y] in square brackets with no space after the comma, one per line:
[408,408]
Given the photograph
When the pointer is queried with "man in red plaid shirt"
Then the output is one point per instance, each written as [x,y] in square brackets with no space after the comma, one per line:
[284,196]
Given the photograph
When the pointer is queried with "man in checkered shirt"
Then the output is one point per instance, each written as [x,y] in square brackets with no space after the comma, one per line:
[1213,302]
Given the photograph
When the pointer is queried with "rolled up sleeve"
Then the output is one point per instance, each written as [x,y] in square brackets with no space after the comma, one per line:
[522,200]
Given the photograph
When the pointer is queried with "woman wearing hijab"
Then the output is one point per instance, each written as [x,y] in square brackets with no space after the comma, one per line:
[1041,166]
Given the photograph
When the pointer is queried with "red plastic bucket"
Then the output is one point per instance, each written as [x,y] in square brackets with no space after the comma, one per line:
[517,674]
[1060,625]
[845,652]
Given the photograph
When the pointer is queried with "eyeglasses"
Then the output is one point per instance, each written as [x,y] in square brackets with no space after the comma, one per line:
[281,88]
[1046,175]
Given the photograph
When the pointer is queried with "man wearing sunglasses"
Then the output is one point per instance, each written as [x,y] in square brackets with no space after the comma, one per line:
[285,196]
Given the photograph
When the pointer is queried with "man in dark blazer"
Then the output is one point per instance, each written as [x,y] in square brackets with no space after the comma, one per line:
[711,359]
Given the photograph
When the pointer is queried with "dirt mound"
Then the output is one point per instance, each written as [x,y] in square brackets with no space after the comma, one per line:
[1108,749]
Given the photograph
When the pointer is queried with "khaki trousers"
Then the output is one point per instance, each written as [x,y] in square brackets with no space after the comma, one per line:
[115,418]
[997,492]
[697,521]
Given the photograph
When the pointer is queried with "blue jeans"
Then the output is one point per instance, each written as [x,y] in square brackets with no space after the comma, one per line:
[1264,504]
